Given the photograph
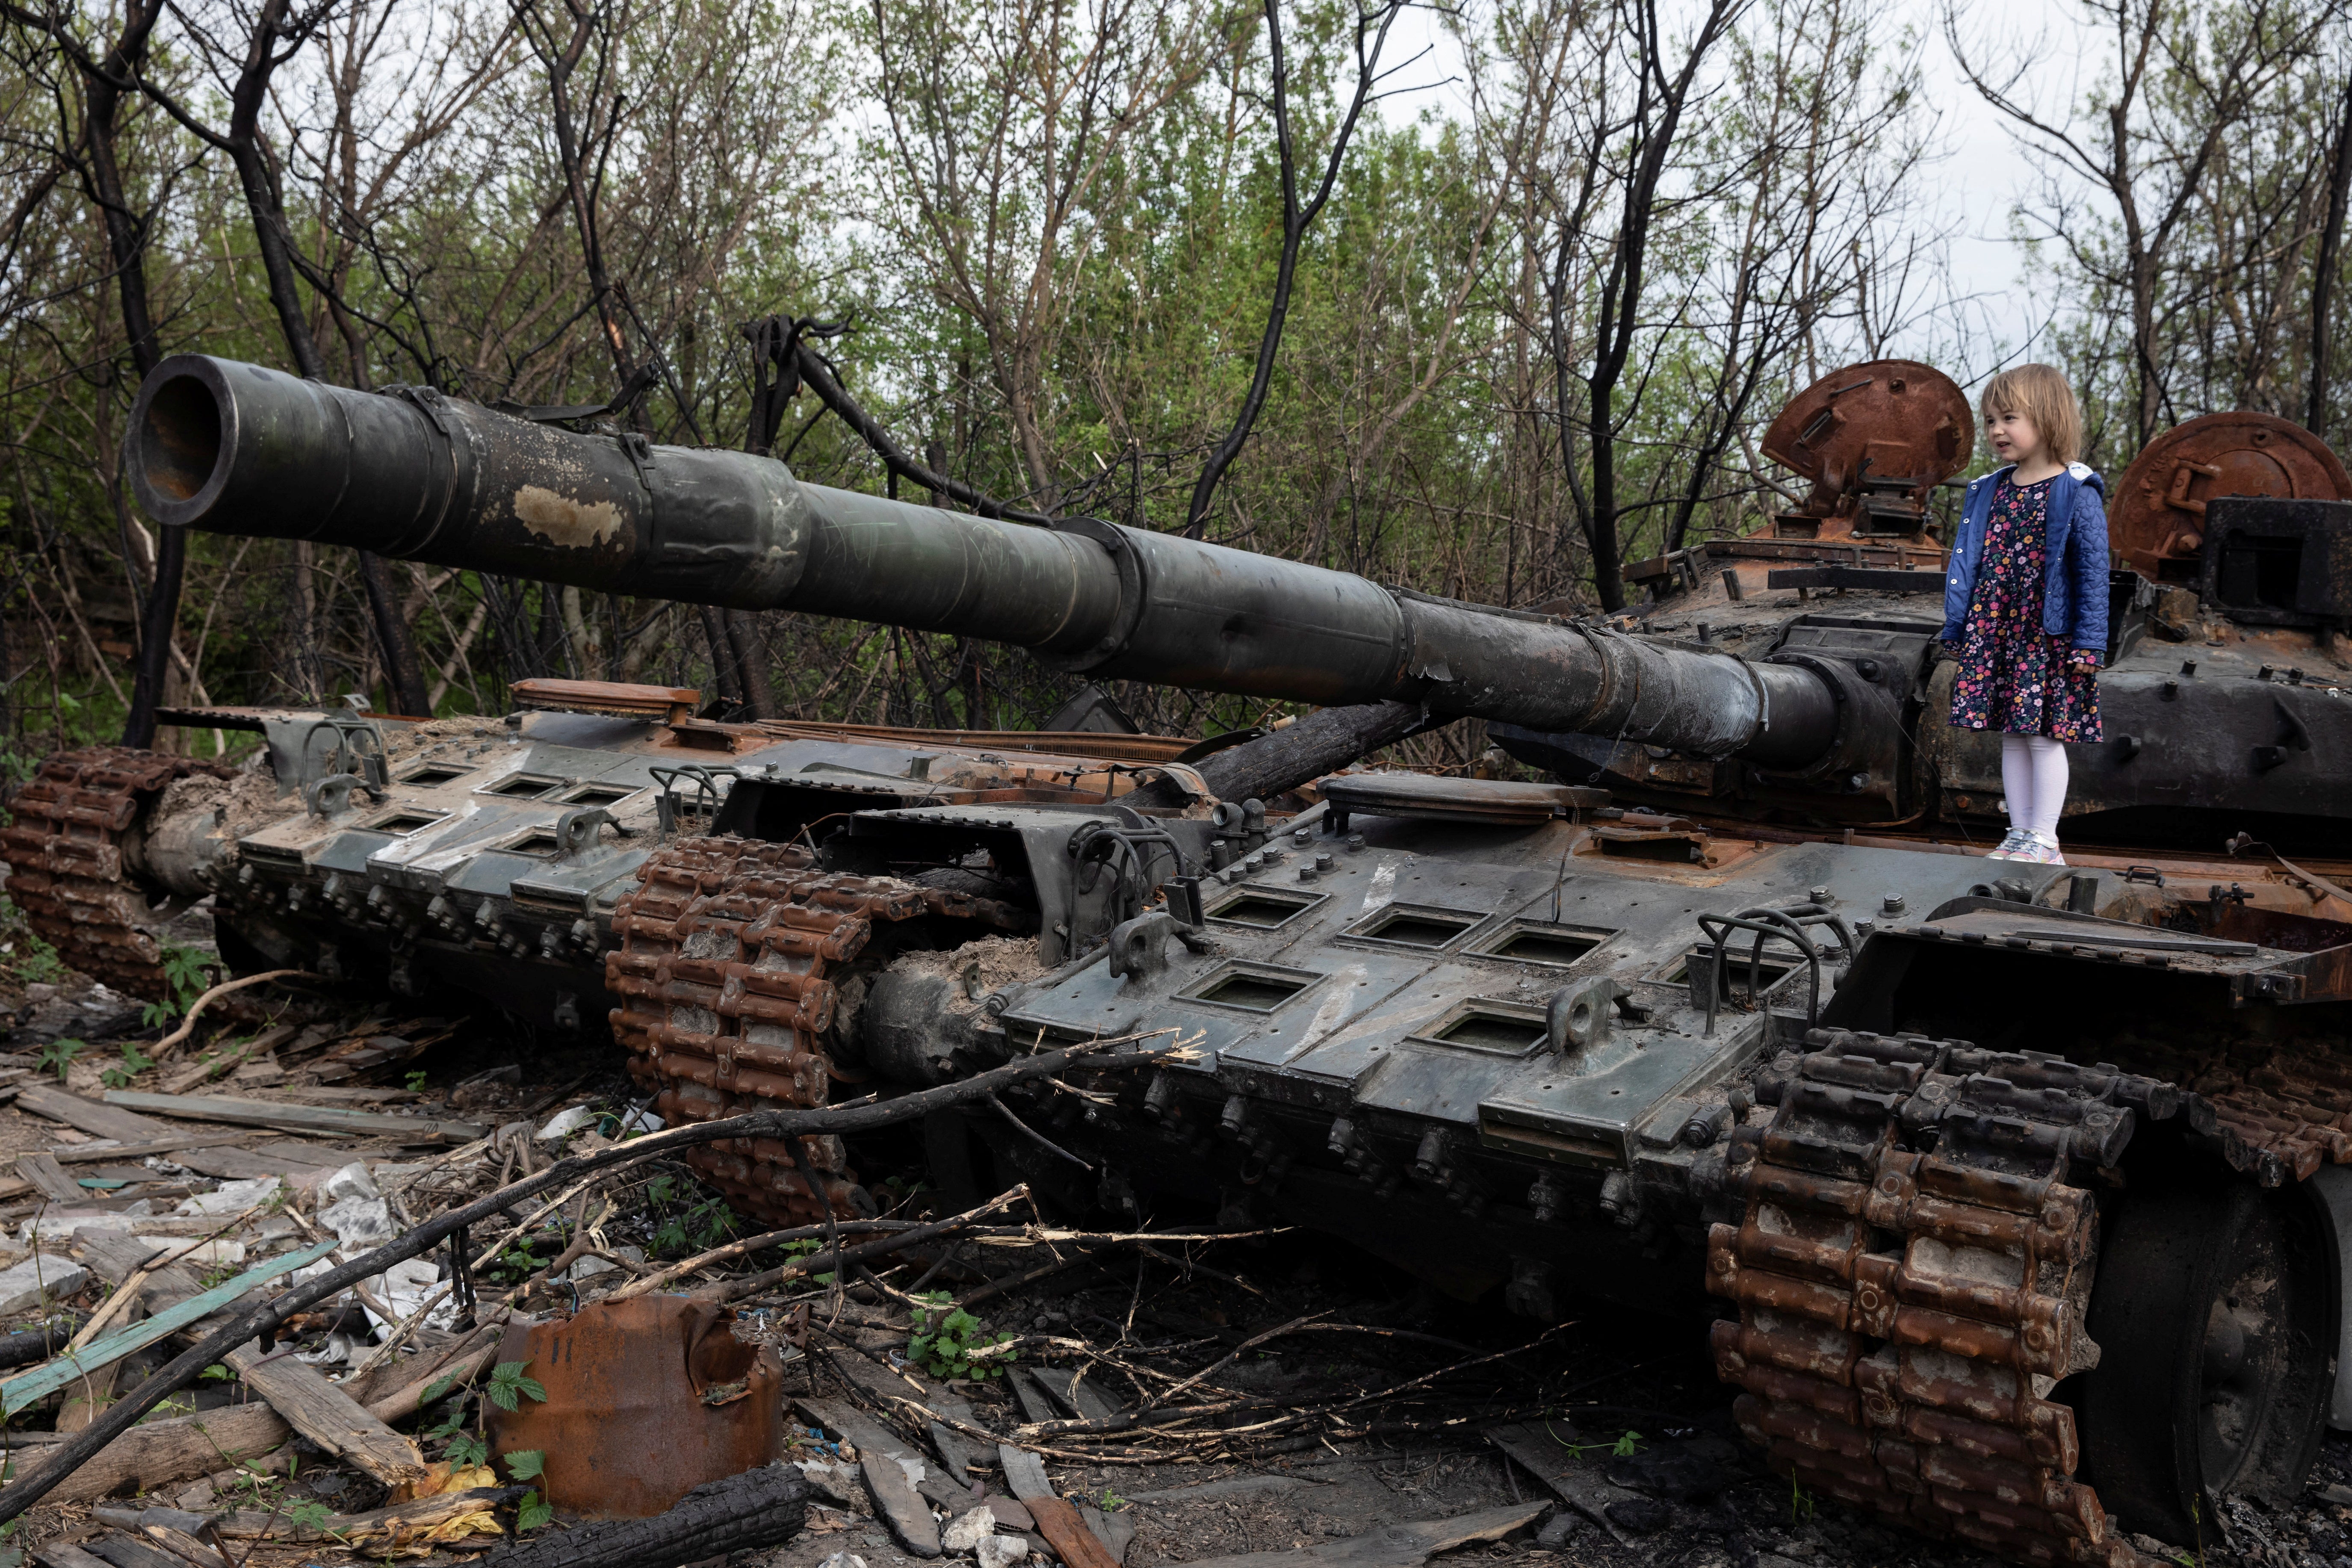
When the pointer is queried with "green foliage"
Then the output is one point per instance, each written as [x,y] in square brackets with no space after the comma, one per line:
[1627,1445]
[698,1228]
[466,1451]
[58,1055]
[217,1372]
[533,1512]
[525,1464]
[25,958]
[417,1081]
[945,1337]
[187,971]
[1800,1504]
[509,1387]
[309,1514]
[133,1062]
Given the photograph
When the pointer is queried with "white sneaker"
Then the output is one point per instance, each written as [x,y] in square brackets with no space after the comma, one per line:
[2042,849]
[2010,845]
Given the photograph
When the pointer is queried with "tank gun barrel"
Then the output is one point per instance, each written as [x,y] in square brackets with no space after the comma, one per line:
[240,449]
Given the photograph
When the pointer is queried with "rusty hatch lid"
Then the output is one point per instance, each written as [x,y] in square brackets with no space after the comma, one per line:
[2156,516]
[1907,420]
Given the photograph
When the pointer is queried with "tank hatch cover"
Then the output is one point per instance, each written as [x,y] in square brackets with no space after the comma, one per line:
[2156,514]
[1903,419]
[1492,802]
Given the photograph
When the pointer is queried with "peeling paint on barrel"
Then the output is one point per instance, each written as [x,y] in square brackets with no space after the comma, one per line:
[560,519]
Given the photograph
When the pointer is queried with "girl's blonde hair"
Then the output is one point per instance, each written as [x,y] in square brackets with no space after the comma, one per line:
[2040,392]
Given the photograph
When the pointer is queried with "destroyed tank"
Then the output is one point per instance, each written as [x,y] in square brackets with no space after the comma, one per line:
[2021,1185]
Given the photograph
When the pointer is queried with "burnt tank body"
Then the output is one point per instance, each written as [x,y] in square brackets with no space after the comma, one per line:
[2019,1187]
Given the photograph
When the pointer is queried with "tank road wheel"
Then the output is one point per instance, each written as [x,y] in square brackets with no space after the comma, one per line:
[2214,1319]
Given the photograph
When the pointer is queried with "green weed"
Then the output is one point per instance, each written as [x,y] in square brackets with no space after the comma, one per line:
[133,1062]
[58,1055]
[945,1338]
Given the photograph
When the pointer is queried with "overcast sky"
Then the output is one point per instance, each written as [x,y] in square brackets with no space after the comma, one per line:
[1971,192]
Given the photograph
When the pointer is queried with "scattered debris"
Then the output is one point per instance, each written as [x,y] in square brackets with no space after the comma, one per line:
[1397,1546]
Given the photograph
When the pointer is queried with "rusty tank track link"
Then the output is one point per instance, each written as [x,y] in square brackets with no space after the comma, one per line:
[2277,1119]
[725,971]
[1904,1311]
[65,859]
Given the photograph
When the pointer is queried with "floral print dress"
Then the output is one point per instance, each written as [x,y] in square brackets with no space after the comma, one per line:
[2014,676]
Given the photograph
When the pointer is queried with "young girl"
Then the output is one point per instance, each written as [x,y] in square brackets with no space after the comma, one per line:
[2025,608]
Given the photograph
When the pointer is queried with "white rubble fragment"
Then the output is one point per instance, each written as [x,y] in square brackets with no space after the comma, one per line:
[339,1349]
[230,1198]
[1000,1550]
[588,1268]
[967,1533]
[406,1286]
[203,1253]
[352,1206]
[564,1123]
[838,1482]
[843,1560]
[57,1226]
[637,1118]
[22,1285]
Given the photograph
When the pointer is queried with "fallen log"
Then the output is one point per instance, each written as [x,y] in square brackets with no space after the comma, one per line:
[857,1116]
[758,1509]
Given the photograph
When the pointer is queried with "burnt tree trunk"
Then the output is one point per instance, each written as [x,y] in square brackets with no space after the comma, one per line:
[757,1509]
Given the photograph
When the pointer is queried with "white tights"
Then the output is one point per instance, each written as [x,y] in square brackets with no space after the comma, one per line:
[2034,772]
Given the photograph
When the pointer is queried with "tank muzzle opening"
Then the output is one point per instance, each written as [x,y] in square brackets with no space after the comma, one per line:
[180,437]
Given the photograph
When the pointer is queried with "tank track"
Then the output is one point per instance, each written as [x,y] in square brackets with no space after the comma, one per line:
[65,859]
[1912,1270]
[728,972]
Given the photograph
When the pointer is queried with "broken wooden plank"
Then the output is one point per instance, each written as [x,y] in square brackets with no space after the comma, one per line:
[1079,1394]
[1037,1404]
[261,1045]
[273,1114]
[408,1399]
[46,1177]
[128,1552]
[1115,1531]
[1392,1546]
[878,1450]
[1554,1463]
[327,1416]
[89,1116]
[12,1186]
[240,1164]
[64,1554]
[1057,1520]
[157,1452]
[20,1392]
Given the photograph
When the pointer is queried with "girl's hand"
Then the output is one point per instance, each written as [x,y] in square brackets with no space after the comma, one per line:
[2082,659]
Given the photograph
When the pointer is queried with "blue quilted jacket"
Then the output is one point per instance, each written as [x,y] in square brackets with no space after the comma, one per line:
[2075,558]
